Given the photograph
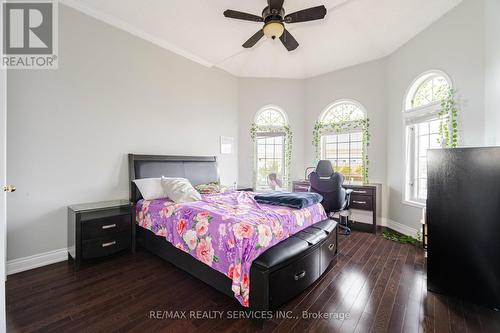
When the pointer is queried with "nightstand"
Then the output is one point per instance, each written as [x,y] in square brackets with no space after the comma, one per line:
[99,229]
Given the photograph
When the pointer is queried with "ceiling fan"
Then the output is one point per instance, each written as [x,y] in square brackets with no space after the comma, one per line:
[274,19]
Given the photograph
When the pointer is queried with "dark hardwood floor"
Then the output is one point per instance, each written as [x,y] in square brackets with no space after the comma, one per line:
[380,284]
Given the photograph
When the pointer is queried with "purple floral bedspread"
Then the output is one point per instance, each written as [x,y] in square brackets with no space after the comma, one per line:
[226,231]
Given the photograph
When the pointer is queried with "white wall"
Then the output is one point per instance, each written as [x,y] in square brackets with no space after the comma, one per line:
[492,70]
[253,95]
[364,83]
[303,101]
[448,45]
[69,130]
[454,44]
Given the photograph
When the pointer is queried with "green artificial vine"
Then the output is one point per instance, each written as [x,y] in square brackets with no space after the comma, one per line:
[403,239]
[448,116]
[321,128]
[255,129]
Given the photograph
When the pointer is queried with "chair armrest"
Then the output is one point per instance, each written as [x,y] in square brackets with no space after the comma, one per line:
[348,192]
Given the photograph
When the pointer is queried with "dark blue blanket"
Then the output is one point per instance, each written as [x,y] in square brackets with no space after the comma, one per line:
[297,200]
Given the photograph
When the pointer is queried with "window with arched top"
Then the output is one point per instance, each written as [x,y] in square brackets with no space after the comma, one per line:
[341,112]
[343,138]
[428,89]
[271,116]
[272,148]
[421,116]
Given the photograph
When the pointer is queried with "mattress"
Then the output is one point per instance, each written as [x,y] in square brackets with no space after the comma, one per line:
[225,231]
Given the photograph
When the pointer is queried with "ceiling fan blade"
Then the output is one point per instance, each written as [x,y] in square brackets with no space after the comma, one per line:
[254,39]
[310,14]
[242,16]
[275,4]
[289,41]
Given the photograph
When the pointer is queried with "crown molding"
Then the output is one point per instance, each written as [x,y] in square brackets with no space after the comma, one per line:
[120,24]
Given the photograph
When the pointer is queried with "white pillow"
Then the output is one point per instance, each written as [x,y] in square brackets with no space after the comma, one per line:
[150,188]
[179,190]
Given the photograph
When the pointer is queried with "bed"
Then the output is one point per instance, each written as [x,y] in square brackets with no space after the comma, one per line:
[261,255]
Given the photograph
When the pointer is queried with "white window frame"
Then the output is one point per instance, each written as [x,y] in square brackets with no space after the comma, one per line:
[411,118]
[353,130]
[269,131]
[272,108]
[330,106]
[327,109]
[258,187]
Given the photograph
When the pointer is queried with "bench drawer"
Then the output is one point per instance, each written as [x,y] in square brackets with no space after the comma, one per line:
[328,251]
[291,280]
[106,245]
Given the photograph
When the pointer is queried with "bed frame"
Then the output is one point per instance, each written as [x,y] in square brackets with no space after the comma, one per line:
[300,259]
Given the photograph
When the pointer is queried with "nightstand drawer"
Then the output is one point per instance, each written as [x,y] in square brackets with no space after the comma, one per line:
[363,202]
[361,191]
[106,245]
[105,227]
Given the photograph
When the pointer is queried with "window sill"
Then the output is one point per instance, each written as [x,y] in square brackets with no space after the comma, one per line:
[415,204]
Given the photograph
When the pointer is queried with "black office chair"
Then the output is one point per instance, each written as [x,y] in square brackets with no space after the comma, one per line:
[336,199]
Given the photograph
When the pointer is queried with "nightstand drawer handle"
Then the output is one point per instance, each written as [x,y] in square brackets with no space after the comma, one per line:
[109,226]
[108,244]
[331,247]
[360,202]
[358,191]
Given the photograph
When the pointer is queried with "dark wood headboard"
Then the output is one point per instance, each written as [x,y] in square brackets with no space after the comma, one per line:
[197,169]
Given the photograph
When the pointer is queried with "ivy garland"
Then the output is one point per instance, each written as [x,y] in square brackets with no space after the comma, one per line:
[448,116]
[403,239]
[255,129]
[321,128]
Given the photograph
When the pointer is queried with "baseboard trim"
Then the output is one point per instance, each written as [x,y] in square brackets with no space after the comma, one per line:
[399,227]
[35,261]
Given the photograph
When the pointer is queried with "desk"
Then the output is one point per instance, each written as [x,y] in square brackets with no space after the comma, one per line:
[363,201]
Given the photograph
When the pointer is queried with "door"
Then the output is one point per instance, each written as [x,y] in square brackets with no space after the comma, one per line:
[3,206]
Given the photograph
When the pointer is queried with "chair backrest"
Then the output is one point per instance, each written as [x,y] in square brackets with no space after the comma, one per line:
[328,183]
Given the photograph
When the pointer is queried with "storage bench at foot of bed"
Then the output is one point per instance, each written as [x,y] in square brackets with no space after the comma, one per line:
[276,276]
[290,267]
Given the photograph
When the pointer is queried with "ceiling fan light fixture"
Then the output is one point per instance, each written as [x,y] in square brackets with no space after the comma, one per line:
[274,19]
[274,29]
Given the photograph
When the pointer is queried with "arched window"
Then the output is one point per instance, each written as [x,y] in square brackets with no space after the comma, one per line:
[271,116]
[343,138]
[427,90]
[342,111]
[421,115]
[272,139]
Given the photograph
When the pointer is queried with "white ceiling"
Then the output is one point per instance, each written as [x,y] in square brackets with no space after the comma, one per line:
[354,31]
